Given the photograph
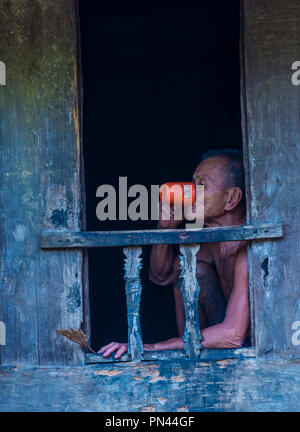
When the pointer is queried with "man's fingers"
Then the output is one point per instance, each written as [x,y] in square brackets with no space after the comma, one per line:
[111,349]
[121,351]
[105,347]
[106,350]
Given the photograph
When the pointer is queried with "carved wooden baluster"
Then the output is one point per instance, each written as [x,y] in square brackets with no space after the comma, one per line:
[190,290]
[133,288]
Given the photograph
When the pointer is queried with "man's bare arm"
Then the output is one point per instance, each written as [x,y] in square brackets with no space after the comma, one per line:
[162,264]
[228,334]
[162,258]
[232,331]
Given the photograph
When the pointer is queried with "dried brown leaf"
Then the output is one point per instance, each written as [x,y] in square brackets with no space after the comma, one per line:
[76,336]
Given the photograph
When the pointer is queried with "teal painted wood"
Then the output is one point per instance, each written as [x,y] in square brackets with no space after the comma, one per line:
[170,355]
[50,240]
[40,181]
[221,385]
[133,289]
[190,291]
[272,153]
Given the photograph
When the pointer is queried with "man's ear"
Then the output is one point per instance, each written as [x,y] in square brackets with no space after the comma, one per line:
[234,196]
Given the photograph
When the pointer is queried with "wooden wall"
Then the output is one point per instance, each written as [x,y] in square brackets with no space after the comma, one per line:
[40,174]
[270,44]
[40,177]
[182,386]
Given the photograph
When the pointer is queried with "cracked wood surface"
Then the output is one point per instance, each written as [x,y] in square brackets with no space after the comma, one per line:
[190,291]
[133,289]
[40,181]
[270,44]
[221,385]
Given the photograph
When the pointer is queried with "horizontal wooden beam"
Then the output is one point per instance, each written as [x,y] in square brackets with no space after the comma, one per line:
[167,355]
[232,385]
[90,239]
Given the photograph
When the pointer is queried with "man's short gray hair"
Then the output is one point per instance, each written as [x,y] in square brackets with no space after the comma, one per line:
[234,175]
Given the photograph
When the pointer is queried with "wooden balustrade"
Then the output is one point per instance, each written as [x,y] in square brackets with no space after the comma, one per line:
[189,241]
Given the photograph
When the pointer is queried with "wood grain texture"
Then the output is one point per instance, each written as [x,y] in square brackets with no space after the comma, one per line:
[50,240]
[271,42]
[86,321]
[221,385]
[169,355]
[190,291]
[40,180]
[246,162]
[133,289]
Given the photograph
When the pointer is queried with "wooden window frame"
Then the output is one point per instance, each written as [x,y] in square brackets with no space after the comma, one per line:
[189,241]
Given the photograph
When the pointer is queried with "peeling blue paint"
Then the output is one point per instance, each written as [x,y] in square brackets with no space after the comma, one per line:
[59,218]
[74,298]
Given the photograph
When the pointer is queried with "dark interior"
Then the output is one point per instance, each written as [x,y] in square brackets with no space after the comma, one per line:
[161,86]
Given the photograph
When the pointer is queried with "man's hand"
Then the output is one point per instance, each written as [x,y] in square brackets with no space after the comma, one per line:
[162,259]
[167,214]
[121,348]
[106,350]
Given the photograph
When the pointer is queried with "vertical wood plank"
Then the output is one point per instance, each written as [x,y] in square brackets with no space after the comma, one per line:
[86,319]
[40,181]
[190,290]
[246,162]
[133,289]
[271,41]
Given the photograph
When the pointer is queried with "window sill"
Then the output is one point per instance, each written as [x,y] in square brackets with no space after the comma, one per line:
[206,355]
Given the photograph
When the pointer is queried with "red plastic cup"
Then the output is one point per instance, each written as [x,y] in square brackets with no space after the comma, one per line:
[183,193]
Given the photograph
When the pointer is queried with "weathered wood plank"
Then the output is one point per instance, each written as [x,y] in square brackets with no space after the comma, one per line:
[133,289]
[170,355]
[190,291]
[271,40]
[86,321]
[49,240]
[246,157]
[221,385]
[40,181]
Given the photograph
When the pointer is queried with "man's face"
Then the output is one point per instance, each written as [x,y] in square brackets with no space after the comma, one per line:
[209,173]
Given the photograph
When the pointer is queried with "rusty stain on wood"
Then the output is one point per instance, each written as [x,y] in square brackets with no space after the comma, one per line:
[151,371]
[148,409]
[248,385]
[177,378]
[226,362]
[162,400]
[203,364]
[155,376]
[110,373]
[182,409]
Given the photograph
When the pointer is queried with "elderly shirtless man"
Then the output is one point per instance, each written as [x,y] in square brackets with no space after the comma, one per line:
[222,268]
